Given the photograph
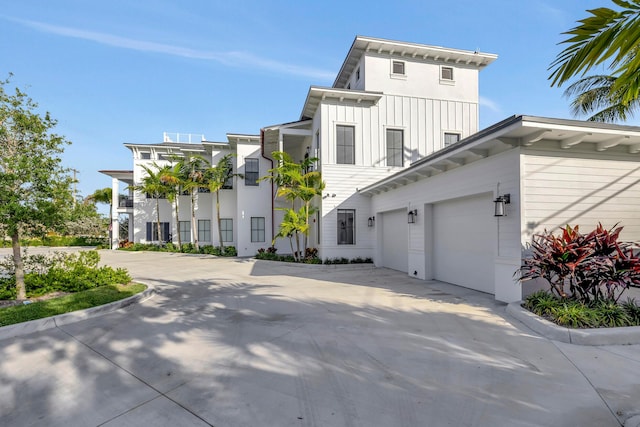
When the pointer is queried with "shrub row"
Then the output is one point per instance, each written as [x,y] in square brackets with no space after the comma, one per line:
[59,272]
[572,313]
[55,241]
[270,254]
[187,248]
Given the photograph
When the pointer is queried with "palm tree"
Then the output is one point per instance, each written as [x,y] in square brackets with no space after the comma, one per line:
[171,177]
[193,178]
[216,177]
[606,37]
[104,195]
[153,186]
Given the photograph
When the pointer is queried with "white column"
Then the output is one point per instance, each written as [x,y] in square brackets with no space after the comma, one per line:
[115,201]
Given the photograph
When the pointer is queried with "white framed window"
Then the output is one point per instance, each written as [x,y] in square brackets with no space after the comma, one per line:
[184,228]
[257,229]
[145,156]
[451,138]
[398,68]
[346,226]
[204,230]
[345,145]
[226,229]
[395,147]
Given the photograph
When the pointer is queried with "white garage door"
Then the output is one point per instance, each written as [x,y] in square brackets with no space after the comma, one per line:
[464,242]
[395,243]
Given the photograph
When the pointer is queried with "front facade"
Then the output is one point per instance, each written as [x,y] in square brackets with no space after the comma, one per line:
[410,179]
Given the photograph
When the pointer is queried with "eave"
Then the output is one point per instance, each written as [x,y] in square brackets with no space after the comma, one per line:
[318,94]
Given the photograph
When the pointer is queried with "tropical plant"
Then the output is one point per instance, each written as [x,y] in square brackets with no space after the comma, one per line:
[153,186]
[171,178]
[215,178]
[34,188]
[193,178]
[607,37]
[296,182]
[593,267]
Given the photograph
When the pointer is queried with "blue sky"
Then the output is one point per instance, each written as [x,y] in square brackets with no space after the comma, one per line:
[124,71]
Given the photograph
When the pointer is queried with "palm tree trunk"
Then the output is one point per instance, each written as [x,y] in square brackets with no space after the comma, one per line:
[158,220]
[175,203]
[218,216]
[194,230]
[19,266]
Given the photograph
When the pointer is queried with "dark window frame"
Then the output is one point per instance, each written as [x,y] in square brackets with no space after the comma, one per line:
[395,153]
[250,175]
[224,230]
[257,229]
[346,223]
[345,149]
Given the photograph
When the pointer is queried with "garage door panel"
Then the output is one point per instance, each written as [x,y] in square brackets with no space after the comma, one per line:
[395,243]
[464,242]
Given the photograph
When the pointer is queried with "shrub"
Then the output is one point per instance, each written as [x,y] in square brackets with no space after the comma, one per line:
[632,310]
[608,314]
[542,303]
[230,251]
[595,266]
[573,314]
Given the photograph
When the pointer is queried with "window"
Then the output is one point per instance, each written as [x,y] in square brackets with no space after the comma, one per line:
[162,156]
[228,183]
[145,156]
[395,147]
[346,226]
[204,230]
[345,146]
[257,229]
[184,228]
[446,73]
[203,190]
[152,232]
[451,138]
[397,67]
[226,228]
[251,171]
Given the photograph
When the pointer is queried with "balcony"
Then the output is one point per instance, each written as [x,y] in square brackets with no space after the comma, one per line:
[125,202]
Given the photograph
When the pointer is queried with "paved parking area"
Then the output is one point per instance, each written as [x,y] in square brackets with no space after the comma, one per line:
[233,342]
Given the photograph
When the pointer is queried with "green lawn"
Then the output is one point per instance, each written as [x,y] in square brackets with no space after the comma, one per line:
[65,304]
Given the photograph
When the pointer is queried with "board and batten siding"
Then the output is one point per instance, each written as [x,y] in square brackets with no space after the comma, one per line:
[580,188]
[423,121]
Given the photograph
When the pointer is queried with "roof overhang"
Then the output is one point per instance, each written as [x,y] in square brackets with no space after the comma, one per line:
[515,131]
[125,176]
[318,94]
[407,50]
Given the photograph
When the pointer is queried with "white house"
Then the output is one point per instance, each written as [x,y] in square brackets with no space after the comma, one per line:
[410,180]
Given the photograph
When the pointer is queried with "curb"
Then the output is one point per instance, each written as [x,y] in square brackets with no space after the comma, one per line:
[599,336]
[37,325]
[360,266]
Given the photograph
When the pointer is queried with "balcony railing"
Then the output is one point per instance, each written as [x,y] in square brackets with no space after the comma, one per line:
[125,202]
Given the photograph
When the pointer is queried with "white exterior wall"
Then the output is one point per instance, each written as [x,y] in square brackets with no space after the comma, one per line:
[252,201]
[480,177]
[421,79]
[580,187]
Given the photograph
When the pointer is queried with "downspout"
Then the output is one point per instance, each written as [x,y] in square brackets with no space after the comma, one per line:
[272,195]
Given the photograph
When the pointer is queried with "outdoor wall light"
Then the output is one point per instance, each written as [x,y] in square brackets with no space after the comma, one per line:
[500,203]
[412,216]
[371,221]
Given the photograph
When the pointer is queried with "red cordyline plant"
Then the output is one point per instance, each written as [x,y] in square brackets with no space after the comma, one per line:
[587,267]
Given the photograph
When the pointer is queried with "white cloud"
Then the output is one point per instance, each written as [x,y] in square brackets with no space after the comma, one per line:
[230,58]
[493,106]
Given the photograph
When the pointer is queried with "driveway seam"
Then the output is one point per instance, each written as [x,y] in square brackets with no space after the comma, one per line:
[139,379]
[589,381]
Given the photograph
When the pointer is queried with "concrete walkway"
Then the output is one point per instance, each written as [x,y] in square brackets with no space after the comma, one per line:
[228,342]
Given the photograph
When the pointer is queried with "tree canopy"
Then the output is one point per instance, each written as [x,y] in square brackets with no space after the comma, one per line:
[607,38]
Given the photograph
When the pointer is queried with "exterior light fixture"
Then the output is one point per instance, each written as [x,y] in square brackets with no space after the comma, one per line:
[500,203]
[371,221]
[412,216]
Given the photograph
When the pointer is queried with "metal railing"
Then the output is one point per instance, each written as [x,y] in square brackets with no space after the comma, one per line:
[183,138]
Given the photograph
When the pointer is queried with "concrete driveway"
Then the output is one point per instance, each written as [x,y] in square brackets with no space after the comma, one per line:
[230,342]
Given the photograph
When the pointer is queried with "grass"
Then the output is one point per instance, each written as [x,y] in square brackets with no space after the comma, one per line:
[68,303]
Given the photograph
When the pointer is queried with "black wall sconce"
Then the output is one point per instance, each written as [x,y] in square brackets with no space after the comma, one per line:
[500,203]
[371,221]
[412,216]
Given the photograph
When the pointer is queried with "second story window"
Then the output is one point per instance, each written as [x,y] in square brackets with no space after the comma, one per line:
[145,156]
[397,67]
[451,138]
[228,183]
[446,73]
[345,145]
[395,147]
[251,171]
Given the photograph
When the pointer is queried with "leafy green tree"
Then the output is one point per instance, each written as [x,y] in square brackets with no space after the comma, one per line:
[34,187]
[606,38]
[215,178]
[103,195]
